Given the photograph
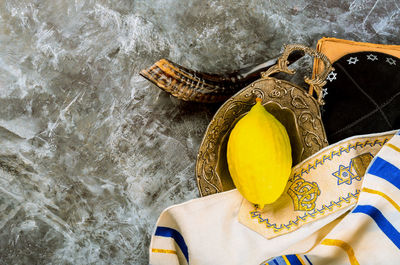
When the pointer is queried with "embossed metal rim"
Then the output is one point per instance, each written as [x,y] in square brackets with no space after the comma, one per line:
[208,154]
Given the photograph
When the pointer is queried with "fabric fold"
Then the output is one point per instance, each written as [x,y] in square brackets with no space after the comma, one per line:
[361,231]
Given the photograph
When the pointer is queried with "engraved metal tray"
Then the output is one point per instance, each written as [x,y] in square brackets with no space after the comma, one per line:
[297,110]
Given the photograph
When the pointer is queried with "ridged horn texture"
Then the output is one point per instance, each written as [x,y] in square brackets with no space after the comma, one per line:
[195,86]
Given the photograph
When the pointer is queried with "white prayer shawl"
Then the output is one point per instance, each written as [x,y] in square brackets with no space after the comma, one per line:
[360,228]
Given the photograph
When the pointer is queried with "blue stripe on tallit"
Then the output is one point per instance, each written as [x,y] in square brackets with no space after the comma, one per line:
[277,261]
[169,232]
[381,221]
[308,260]
[293,259]
[383,169]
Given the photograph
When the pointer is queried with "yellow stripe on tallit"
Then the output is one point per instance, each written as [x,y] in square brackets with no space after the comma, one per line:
[393,147]
[286,260]
[302,262]
[345,246]
[377,192]
[167,251]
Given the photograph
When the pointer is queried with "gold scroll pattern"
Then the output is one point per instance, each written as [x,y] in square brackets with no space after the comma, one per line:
[304,194]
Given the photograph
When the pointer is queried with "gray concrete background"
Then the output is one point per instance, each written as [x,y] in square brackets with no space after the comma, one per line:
[90,152]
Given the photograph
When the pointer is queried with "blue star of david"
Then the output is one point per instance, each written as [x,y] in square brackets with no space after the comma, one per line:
[344,175]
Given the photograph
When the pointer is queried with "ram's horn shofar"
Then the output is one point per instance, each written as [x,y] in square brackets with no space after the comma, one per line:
[195,86]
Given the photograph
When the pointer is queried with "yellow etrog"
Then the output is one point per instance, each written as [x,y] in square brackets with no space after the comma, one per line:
[259,156]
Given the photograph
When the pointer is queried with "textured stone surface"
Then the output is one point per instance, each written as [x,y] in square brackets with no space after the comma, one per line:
[90,153]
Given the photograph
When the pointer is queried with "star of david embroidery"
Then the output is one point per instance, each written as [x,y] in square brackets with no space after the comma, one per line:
[372,57]
[343,175]
[352,60]
[324,92]
[391,61]
[331,76]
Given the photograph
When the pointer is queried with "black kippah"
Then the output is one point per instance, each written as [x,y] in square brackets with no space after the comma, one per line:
[362,95]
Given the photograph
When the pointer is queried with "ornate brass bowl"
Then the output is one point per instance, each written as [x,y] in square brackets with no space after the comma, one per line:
[297,110]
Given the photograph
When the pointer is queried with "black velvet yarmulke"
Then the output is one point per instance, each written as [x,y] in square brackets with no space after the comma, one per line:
[362,95]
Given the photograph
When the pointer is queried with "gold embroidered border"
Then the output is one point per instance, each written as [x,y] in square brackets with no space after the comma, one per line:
[338,153]
[345,199]
[306,170]
[348,199]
